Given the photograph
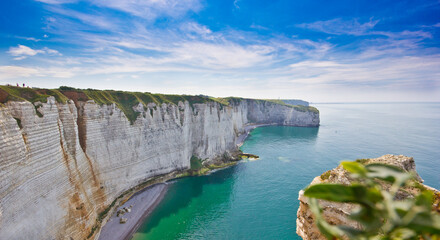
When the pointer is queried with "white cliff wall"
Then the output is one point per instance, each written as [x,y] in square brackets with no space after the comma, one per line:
[59,171]
[268,112]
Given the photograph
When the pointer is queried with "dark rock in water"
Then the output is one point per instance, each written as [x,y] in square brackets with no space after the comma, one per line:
[248,155]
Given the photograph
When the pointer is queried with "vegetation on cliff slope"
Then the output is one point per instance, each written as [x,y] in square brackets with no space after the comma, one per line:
[10,93]
[299,108]
[382,214]
[127,100]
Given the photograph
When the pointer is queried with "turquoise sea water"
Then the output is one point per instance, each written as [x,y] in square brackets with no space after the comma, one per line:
[258,199]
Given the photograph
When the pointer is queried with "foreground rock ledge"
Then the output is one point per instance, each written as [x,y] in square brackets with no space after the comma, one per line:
[336,213]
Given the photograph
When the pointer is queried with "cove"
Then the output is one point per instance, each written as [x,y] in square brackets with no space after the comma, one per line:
[258,199]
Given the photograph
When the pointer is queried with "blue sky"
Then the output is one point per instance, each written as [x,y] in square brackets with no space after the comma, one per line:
[320,51]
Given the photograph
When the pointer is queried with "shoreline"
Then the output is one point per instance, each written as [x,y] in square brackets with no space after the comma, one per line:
[247,129]
[142,205]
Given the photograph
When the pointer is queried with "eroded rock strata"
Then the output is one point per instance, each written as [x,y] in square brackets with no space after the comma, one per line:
[336,213]
[63,164]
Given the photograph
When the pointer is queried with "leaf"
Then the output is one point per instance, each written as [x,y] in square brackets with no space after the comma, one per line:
[335,192]
[354,167]
[388,173]
[352,233]
[374,194]
[370,218]
[402,233]
[403,205]
[426,222]
[340,193]
[425,199]
[329,231]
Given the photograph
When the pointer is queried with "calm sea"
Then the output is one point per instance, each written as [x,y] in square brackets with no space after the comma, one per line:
[258,199]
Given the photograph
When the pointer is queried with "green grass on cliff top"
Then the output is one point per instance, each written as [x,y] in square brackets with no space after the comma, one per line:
[124,100]
[299,108]
[9,93]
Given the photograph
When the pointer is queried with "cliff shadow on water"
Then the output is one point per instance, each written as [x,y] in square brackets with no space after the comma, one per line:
[288,133]
[183,191]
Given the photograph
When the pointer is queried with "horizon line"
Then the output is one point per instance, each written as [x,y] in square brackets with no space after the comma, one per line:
[396,102]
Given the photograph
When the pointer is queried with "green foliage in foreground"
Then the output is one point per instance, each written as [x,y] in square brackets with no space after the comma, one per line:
[380,214]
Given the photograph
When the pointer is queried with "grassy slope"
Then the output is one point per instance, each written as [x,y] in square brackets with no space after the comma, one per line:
[299,108]
[9,93]
[124,100]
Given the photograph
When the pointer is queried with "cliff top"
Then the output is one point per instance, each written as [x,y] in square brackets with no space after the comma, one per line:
[340,175]
[415,186]
[124,100]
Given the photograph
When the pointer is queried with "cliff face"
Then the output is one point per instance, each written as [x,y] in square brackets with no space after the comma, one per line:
[268,112]
[61,168]
[336,213]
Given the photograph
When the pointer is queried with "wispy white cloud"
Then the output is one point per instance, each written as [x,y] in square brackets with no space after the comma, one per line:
[90,19]
[339,26]
[51,51]
[33,39]
[29,38]
[405,72]
[57,1]
[146,9]
[221,56]
[236,4]
[195,30]
[21,52]
[9,72]
[353,27]
[151,9]
[13,72]
[259,27]
[418,34]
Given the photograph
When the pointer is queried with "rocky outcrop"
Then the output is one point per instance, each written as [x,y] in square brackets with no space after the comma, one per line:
[336,213]
[63,164]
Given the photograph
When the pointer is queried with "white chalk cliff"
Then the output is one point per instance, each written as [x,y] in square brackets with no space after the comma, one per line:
[58,172]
